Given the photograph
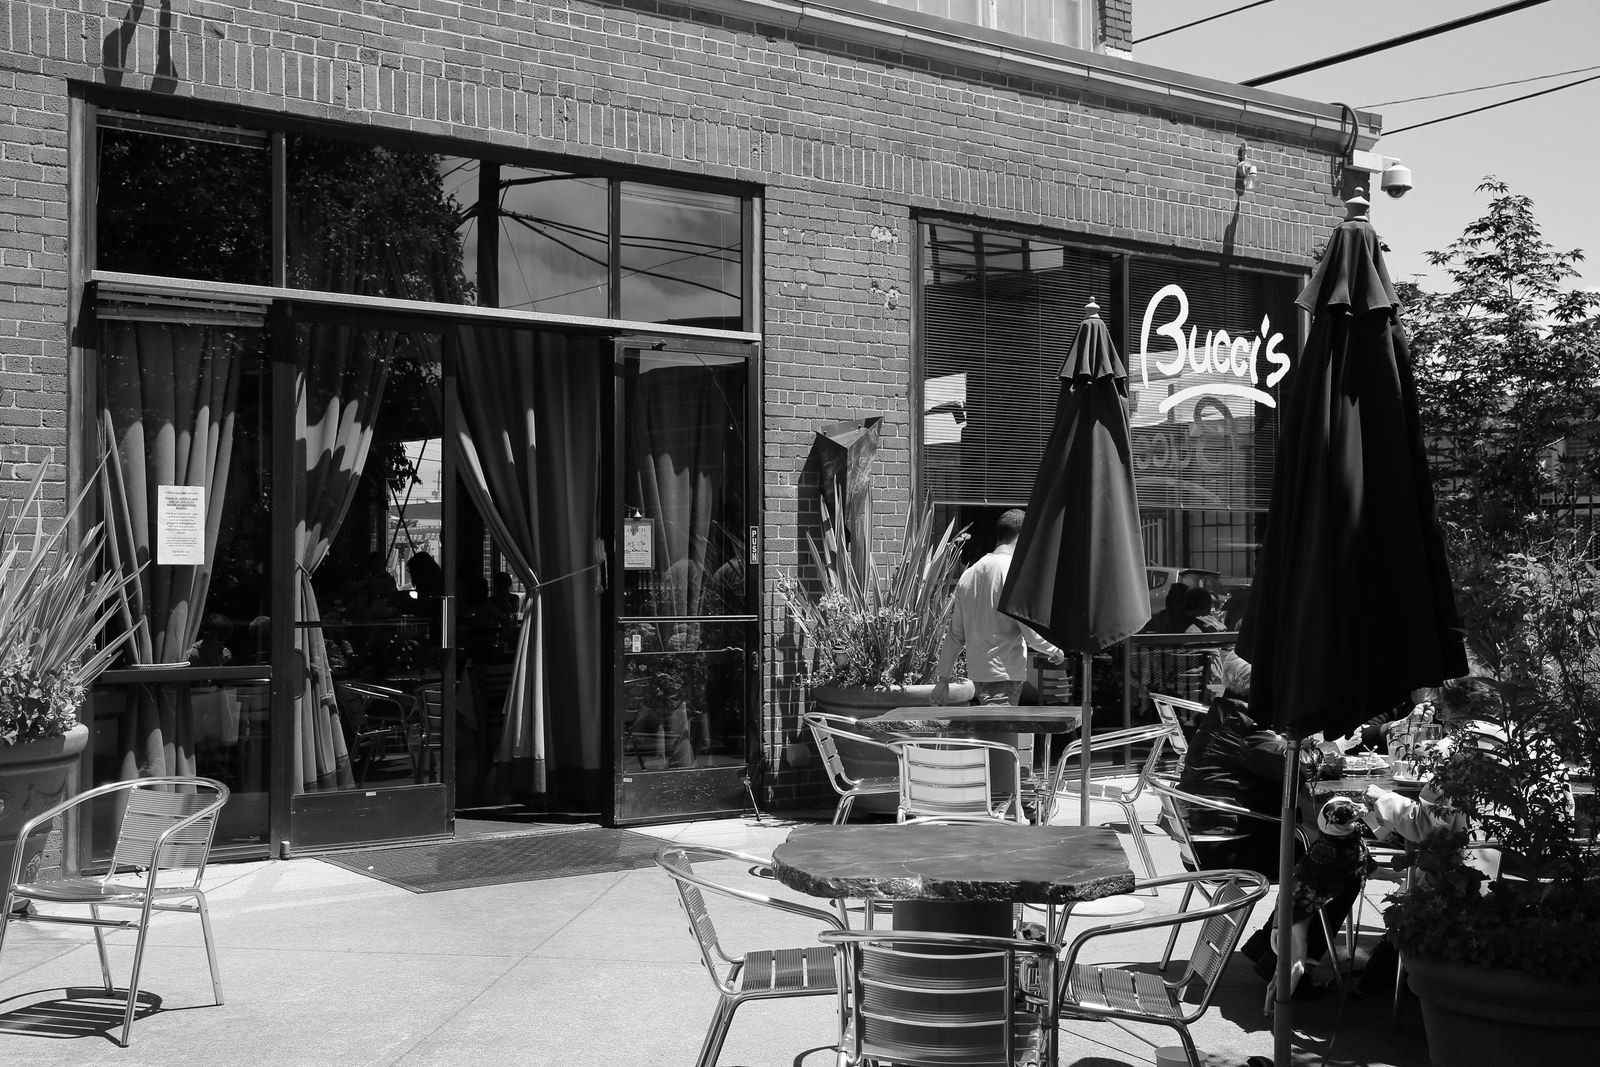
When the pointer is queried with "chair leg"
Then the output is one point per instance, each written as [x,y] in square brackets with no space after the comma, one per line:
[841,814]
[1399,990]
[211,947]
[717,1033]
[1333,949]
[1188,1046]
[5,919]
[1172,938]
[1138,839]
[133,979]
[100,944]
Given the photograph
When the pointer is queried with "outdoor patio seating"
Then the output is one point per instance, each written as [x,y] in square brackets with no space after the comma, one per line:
[1065,780]
[827,731]
[758,974]
[952,780]
[922,998]
[1094,991]
[1175,820]
[167,826]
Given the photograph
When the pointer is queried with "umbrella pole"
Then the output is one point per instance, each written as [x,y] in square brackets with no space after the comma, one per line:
[1282,1016]
[1083,755]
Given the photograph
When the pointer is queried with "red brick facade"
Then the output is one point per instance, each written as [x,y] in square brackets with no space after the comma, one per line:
[850,131]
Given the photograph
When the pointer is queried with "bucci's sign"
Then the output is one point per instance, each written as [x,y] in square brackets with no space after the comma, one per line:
[1219,354]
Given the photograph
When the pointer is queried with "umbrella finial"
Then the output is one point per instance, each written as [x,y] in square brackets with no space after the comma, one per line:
[1091,310]
[1357,205]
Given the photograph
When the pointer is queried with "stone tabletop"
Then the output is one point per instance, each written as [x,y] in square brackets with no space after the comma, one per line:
[999,718]
[961,862]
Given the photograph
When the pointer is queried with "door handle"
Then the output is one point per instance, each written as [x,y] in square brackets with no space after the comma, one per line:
[444,621]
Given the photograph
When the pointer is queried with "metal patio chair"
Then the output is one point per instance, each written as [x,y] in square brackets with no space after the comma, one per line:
[1064,781]
[930,999]
[827,731]
[951,779]
[1095,991]
[1175,821]
[759,974]
[162,831]
[1171,711]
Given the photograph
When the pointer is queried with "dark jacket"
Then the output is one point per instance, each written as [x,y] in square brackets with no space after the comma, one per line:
[1232,759]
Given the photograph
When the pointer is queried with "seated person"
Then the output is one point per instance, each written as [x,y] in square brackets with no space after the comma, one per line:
[1166,621]
[1232,758]
[485,625]
[210,646]
[1197,605]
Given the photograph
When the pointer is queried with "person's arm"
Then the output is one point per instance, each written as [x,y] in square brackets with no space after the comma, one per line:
[1414,820]
[1032,639]
[1264,754]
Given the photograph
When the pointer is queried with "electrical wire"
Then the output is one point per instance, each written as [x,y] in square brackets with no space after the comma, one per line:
[1480,88]
[1395,42]
[1490,107]
[1197,22]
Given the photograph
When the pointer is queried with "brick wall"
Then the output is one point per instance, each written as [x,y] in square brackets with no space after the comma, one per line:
[1116,25]
[849,141]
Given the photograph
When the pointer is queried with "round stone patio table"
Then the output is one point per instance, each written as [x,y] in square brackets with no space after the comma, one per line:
[956,877]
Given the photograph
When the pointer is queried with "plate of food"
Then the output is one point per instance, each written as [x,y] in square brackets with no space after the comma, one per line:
[1366,763]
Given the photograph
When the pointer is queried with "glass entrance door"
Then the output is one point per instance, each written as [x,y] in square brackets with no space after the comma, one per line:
[366,708]
[688,634]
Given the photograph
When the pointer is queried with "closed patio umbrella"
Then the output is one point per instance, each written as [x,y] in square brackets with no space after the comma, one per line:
[1077,576]
[1351,607]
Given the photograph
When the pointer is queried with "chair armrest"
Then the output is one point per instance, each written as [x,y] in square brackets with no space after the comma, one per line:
[746,895]
[1161,786]
[1258,889]
[1118,739]
[1042,949]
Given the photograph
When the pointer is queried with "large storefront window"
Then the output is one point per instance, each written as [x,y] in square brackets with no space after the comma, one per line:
[1207,346]
[402,573]
[185,420]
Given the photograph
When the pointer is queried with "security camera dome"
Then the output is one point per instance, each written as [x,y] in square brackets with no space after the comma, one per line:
[1397,180]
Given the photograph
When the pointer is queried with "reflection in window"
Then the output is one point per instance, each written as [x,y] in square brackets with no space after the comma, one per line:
[555,245]
[184,199]
[681,256]
[685,484]
[373,220]
[1056,21]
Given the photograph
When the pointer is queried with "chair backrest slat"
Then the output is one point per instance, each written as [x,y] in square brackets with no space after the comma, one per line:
[922,1003]
[151,811]
[677,864]
[1217,937]
[944,778]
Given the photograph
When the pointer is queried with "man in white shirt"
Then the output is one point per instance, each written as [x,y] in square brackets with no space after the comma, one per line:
[997,645]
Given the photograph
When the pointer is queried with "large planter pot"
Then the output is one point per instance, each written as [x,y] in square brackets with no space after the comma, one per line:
[861,761]
[1476,1016]
[33,777]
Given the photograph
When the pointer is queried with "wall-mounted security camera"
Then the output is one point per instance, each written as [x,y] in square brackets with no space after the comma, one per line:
[1396,179]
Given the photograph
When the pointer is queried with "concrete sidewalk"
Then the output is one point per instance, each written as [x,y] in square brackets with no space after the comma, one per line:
[321,965]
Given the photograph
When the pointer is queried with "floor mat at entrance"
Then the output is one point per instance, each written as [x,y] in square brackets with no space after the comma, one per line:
[434,868]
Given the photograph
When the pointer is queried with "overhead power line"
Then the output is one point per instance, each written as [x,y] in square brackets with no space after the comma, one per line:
[1490,107]
[1197,22]
[1481,88]
[1395,42]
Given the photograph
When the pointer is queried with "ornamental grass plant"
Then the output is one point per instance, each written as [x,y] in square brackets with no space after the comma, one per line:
[55,599]
[880,629]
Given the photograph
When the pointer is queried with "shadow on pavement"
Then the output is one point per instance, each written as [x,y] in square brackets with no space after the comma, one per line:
[82,1011]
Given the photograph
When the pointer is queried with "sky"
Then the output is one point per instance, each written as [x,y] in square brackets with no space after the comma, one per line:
[1547,148]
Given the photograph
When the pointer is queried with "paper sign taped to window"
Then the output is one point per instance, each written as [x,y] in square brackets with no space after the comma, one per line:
[638,544]
[180,525]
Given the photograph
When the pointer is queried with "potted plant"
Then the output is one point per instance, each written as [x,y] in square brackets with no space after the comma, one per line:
[55,598]
[1507,965]
[873,640]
